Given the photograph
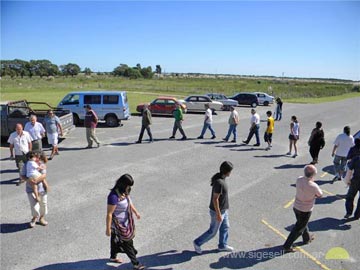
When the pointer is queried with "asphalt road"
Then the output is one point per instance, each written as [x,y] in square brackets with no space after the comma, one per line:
[172,193]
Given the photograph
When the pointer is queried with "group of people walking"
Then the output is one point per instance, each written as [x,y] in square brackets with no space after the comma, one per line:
[26,149]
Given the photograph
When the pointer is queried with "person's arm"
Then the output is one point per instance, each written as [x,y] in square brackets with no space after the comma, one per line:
[110,211]
[291,128]
[11,151]
[334,149]
[30,145]
[135,211]
[216,197]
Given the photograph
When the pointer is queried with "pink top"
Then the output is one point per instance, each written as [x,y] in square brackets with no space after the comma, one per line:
[306,192]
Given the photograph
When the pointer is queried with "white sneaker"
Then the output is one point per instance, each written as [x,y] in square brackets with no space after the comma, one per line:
[226,248]
[197,248]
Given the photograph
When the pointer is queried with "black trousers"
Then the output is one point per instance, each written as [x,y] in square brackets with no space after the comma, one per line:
[349,204]
[143,127]
[300,228]
[314,151]
[126,247]
[178,125]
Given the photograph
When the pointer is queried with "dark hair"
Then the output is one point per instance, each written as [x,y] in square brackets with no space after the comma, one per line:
[269,113]
[122,183]
[30,155]
[87,107]
[357,142]
[294,118]
[318,124]
[347,130]
[225,168]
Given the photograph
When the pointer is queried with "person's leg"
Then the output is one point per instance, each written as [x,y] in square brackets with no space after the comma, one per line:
[357,211]
[251,133]
[181,130]
[43,209]
[257,128]
[141,133]
[211,232]
[114,247]
[290,146]
[20,162]
[342,167]
[34,207]
[175,128]
[211,130]
[224,230]
[295,147]
[205,126]
[336,166]
[148,130]
[93,136]
[234,131]
[130,251]
[302,220]
[88,137]
[350,196]
[228,133]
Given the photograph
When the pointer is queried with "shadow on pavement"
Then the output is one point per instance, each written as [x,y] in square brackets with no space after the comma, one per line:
[14,227]
[13,181]
[270,156]
[326,224]
[328,199]
[247,259]
[290,166]
[329,169]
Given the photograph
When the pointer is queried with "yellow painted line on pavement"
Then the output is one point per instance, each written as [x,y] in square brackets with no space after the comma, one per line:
[289,203]
[307,254]
[323,175]
[332,194]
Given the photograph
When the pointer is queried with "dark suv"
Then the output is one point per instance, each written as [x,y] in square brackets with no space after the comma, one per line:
[246,99]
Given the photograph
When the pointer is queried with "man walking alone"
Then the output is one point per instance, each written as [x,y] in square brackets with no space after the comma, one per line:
[145,124]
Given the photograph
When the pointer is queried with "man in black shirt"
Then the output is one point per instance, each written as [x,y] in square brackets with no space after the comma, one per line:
[219,205]
[353,189]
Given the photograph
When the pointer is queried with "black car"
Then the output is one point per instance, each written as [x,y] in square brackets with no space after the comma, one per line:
[246,99]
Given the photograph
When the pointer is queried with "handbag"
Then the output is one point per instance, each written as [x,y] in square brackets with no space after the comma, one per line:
[125,232]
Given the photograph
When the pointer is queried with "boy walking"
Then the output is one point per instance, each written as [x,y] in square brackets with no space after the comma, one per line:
[269,130]
[219,205]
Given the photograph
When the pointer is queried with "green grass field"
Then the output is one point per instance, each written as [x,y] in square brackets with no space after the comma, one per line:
[52,90]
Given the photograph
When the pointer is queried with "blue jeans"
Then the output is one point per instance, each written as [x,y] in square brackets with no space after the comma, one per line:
[205,127]
[215,226]
[254,130]
[232,129]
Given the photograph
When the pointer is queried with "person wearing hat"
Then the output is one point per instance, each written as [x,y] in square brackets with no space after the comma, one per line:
[233,122]
[90,124]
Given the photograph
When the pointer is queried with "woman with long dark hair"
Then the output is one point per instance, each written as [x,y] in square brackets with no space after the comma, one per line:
[294,135]
[120,224]
[219,205]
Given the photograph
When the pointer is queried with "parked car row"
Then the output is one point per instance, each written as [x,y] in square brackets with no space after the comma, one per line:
[112,106]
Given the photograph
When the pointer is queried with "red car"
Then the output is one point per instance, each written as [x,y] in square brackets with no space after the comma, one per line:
[162,105]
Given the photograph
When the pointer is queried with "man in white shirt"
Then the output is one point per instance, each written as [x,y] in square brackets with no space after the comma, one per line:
[37,132]
[207,123]
[342,145]
[254,128]
[20,143]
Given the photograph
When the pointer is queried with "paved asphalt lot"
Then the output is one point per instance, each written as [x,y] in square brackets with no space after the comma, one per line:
[172,193]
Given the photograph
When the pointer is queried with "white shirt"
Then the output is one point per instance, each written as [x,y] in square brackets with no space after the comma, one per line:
[255,118]
[208,116]
[32,169]
[21,143]
[35,130]
[343,143]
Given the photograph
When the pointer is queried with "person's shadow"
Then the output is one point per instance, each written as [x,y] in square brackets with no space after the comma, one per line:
[151,261]
[14,227]
[326,224]
[247,259]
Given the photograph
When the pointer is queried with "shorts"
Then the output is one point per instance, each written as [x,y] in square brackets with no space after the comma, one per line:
[293,137]
[268,137]
[53,138]
[339,163]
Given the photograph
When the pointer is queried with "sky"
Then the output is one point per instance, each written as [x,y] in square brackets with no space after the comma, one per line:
[274,38]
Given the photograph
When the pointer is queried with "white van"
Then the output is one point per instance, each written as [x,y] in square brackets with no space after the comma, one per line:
[110,106]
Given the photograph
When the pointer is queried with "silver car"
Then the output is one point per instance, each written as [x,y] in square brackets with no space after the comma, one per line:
[264,99]
[227,102]
[196,103]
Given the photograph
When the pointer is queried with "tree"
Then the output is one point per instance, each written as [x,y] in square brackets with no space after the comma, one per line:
[120,70]
[147,72]
[87,71]
[133,73]
[158,69]
[70,69]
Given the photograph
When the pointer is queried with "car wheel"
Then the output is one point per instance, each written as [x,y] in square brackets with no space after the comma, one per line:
[76,119]
[253,104]
[266,103]
[111,121]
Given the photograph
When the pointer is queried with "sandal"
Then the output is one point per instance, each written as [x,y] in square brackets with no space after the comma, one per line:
[116,260]
[139,267]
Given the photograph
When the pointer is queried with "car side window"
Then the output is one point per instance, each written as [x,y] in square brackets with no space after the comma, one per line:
[92,99]
[170,102]
[111,99]
[160,101]
[192,99]
[71,100]
[203,99]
